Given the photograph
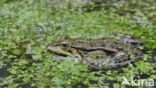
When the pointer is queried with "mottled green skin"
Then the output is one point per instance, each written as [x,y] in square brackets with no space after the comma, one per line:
[117,51]
[99,42]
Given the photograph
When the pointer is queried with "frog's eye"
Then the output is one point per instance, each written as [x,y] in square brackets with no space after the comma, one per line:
[65,44]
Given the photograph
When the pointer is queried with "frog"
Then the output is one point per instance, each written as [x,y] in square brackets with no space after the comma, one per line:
[107,44]
[92,50]
[77,47]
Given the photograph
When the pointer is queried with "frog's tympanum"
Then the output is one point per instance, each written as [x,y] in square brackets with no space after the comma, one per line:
[105,52]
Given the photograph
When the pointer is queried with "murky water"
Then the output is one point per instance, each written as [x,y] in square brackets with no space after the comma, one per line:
[3,73]
[154,57]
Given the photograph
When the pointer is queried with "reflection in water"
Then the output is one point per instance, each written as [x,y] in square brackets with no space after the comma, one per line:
[154,57]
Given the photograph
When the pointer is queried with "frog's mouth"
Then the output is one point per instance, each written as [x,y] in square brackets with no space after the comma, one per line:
[59,51]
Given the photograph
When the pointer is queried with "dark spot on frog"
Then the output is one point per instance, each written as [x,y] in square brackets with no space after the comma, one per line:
[91,44]
[97,57]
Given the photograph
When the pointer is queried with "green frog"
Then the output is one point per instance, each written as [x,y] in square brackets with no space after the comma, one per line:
[105,51]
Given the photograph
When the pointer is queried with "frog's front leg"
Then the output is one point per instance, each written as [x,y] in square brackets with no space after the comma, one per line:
[76,54]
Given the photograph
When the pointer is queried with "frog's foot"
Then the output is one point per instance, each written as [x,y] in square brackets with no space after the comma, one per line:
[76,54]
